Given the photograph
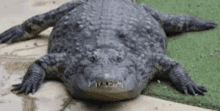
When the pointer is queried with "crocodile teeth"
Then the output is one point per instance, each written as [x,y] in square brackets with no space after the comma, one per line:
[119,83]
[99,84]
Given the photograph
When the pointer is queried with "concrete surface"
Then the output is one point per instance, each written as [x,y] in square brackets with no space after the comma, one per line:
[52,96]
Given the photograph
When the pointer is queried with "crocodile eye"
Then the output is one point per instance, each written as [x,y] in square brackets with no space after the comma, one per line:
[118,59]
[92,59]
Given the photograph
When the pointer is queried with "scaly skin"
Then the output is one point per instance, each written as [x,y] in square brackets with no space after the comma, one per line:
[105,49]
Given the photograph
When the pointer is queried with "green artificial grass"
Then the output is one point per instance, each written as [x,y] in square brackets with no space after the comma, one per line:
[198,52]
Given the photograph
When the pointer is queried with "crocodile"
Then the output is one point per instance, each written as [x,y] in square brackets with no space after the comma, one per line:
[106,50]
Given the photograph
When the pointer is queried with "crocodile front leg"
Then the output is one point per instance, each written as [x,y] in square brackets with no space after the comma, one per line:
[178,75]
[34,25]
[45,67]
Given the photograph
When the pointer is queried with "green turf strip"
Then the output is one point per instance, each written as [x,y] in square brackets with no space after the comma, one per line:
[198,52]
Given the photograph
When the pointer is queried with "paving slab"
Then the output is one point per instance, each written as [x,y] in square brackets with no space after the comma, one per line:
[52,95]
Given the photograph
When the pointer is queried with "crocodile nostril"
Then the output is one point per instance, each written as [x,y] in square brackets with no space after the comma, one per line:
[125,78]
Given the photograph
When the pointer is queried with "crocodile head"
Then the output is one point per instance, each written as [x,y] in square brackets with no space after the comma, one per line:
[104,74]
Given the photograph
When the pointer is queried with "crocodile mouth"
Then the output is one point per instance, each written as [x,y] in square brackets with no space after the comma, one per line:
[107,84]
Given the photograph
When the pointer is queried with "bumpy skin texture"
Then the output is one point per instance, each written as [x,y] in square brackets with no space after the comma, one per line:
[105,49]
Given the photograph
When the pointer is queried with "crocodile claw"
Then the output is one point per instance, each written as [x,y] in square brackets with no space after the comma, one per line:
[210,24]
[12,34]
